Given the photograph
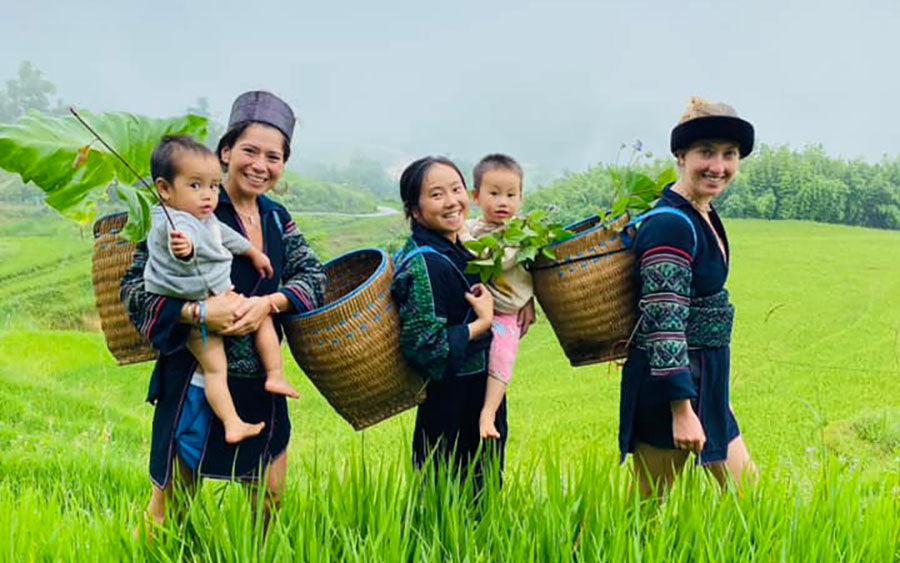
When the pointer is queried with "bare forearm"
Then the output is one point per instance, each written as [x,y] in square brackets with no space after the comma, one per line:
[280,301]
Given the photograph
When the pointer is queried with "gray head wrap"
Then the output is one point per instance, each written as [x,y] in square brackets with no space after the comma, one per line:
[264,107]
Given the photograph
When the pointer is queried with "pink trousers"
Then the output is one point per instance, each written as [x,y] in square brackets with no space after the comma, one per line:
[505,345]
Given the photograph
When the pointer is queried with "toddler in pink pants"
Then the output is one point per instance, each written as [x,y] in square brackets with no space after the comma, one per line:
[498,192]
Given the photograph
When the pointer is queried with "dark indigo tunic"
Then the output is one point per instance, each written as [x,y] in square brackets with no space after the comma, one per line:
[673,359]
[300,277]
[430,297]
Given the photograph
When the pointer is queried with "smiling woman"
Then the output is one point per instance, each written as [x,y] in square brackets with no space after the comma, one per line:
[675,383]
[187,442]
[445,316]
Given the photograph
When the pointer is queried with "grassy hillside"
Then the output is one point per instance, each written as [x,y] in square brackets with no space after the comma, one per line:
[815,386]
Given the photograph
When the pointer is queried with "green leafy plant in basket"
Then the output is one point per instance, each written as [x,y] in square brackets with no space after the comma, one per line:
[529,235]
[635,191]
[76,165]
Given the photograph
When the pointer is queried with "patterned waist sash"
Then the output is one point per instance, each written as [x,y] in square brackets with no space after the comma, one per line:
[710,321]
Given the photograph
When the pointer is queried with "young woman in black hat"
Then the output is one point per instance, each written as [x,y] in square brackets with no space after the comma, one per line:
[188,442]
[675,383]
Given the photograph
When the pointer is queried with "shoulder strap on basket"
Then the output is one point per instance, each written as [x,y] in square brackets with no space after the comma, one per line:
[426,250]
[278,222]
[660,211]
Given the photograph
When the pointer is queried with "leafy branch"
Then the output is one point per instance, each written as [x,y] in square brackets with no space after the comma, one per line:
[529,236]
[62,158]
[635,191]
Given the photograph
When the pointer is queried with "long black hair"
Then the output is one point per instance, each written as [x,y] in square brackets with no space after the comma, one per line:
[413,176]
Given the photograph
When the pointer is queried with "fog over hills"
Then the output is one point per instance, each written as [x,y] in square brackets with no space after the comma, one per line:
[557,84]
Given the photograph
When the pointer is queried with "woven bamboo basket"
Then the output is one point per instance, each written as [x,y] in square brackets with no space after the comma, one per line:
[588,293]
[112,256]
[350,348]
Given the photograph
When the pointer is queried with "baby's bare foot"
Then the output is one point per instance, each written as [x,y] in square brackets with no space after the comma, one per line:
[241,430]
[280,386]
[486,426]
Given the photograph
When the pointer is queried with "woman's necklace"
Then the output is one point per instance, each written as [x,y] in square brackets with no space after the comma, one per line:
[251,218]
[703,208]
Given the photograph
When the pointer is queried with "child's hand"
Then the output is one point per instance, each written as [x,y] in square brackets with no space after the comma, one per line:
[181,245]
[262,263]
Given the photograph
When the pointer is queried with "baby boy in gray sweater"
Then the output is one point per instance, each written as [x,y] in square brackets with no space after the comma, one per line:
[193,262]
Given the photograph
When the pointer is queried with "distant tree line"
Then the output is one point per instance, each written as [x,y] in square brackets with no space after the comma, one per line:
[359,174]
[301,193]
[783,183]
[777,182]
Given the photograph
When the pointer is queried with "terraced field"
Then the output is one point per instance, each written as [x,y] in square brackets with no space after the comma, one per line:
[816,387]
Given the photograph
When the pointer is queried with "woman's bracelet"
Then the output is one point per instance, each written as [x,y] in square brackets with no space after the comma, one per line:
[195,313]
[272,304]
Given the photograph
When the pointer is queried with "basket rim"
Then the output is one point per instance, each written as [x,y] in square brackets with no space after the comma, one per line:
[334,304]
[107,217]
[585,232]
[557,263]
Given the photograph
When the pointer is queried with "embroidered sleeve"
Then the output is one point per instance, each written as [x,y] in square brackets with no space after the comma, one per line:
[427,342]
[664,245]
[157,318]
[303,278]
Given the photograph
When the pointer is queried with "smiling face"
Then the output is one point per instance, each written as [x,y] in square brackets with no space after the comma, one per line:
[499,195]
[443,202]
[195,188]
[255,161]
[707,167]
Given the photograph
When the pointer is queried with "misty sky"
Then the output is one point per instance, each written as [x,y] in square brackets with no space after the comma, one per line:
[555,84]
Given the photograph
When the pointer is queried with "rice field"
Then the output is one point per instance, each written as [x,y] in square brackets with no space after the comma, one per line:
[816,388]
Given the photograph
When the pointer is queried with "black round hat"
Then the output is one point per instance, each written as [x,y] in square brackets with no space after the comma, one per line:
[264,107]
[726,127]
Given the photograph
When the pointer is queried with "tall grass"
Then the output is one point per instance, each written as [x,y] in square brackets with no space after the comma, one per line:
[360,510]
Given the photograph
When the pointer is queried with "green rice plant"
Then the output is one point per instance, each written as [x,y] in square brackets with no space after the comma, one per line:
[386,511]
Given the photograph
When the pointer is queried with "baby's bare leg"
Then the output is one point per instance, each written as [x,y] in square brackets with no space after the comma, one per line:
[269,349]
[493,396]
[211,356]
[504,347]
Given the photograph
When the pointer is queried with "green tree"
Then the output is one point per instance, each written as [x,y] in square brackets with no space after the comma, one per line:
[28,91]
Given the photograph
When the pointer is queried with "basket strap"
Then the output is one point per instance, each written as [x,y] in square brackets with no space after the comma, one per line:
[427,250]
[660,211]
[278,222]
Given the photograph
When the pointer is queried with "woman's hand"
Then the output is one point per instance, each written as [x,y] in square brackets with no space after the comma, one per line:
[526,317]
[687,431]
[482,302]
[221,311]
[249,315]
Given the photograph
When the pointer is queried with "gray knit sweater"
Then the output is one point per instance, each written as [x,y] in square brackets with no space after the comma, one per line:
[207,271]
